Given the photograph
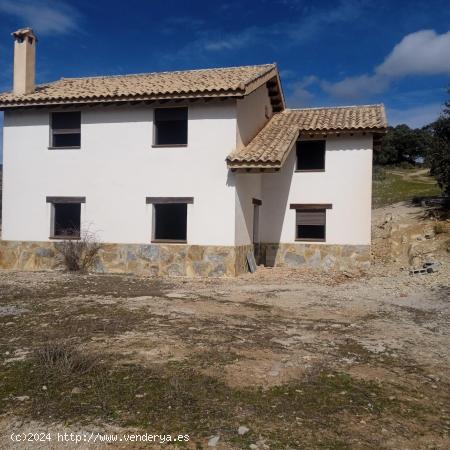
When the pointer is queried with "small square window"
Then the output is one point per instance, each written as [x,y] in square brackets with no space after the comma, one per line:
[170,222]
[310,224]
[311,155]
[66,220]
[171,126]
[66,129]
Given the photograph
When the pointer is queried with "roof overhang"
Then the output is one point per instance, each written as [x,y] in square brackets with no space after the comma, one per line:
[257,166]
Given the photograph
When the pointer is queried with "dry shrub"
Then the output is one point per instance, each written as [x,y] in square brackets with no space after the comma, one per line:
[60,358]
[79,255]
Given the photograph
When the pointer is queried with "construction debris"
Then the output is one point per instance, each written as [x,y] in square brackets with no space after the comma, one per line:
[428,267]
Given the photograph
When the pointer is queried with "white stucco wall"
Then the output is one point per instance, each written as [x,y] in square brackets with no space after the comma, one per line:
[346,184]
[115,169]
[248,187]
[251,115]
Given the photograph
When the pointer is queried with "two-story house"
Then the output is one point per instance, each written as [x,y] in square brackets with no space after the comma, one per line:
[183,173]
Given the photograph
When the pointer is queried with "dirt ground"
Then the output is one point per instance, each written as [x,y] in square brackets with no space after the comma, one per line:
[300,358]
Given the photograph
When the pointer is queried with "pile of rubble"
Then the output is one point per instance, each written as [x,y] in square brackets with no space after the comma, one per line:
[410,237]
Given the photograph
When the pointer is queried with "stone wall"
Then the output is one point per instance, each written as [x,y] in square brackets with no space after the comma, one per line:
[146,259]
[187,260]
[340,257]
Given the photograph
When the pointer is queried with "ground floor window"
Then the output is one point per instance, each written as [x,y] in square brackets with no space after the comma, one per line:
[310,222]
[170,218]
[311,225]
[65,217]
[170,221]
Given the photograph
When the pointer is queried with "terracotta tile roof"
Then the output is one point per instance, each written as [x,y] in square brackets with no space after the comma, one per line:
[270,147]
[222,82]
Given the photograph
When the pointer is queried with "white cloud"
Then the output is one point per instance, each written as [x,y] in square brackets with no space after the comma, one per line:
[301,96]
[319,18]
[421,53]
[44,16]
[353,88]
[303,26]
[233,41]
[416,116]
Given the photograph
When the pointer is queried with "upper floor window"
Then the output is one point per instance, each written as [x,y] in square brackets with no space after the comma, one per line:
[311,156]
[171,126]
[65,129]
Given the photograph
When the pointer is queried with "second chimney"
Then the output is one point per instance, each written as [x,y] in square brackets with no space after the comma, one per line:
[24,61]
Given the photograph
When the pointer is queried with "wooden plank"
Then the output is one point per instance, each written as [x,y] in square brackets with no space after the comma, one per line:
[310,206]
[66,199]
[169,241]
[156,200]
[251,261]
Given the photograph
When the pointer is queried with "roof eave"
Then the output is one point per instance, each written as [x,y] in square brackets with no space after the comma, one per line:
[119,99]
[246,165]
[339,131]
[269,75]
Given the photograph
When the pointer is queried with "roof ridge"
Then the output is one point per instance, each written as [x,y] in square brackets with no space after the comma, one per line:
[335,107]
[272,65]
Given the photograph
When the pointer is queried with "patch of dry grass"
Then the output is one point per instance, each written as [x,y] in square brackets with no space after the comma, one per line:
[64,384]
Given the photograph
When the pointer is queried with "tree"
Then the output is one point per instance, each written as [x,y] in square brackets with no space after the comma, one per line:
[439,154]
[403,143]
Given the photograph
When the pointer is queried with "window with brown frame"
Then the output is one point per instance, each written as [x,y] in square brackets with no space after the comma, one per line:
[171,126]
[310,224]
[65,129]
[169,218]
[66,220]
[170,222]
[311,156]
[65,217]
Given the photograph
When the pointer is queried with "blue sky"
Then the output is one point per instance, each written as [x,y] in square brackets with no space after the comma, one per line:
[329,52]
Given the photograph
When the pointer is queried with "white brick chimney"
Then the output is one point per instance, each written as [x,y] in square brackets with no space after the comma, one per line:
[24,61]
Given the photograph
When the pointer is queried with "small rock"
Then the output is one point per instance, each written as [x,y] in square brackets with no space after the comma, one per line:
[253,446]
[213,441]
[23,398]
[75,390]
[243,430]
[177,295]
[275,370]
[141,396]
[44,388]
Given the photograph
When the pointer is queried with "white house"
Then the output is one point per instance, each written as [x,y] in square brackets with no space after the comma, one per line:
[183,173]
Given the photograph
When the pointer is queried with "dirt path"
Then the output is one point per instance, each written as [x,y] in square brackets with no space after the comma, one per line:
[421,175]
